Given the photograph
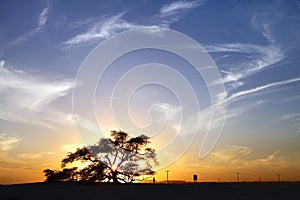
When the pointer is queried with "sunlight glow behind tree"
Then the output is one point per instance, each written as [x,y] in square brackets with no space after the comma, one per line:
[119,160]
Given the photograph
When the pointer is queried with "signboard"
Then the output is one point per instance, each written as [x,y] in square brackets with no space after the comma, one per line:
[195,178]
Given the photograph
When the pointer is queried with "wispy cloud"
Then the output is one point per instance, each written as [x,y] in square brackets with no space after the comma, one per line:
[43,17]
[173,12]
[263,27]
[171,111]
[23,95]
[294,118]
[6,142]
[293,98]
[256,59]
[210,123]
[267,33]
[105,29]
[261,57]
[29,156]
[178,6]
[241,156]
[289,116]
[41,23]
[269,158]
[33,155]
[109,26]
[231,155]
[241,93]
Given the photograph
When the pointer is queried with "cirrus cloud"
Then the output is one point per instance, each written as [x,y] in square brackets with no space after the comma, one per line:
[6,142]
[23,95]
[42,21]
[177,6]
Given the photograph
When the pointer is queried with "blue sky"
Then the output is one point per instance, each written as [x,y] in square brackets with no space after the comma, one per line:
[254,44]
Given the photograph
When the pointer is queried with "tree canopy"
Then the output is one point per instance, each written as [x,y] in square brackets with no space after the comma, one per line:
[119,159]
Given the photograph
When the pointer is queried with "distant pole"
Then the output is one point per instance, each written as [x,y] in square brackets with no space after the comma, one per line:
[278,175]
[259,179]
[167,171]
[238,177]
[218,180]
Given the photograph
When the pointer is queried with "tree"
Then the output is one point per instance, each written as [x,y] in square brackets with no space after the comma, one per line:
[63,175]
[119,159]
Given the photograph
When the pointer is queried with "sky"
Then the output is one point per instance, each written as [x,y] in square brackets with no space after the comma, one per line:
[254,46]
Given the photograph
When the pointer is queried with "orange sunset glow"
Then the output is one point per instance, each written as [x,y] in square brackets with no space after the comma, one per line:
[195,88]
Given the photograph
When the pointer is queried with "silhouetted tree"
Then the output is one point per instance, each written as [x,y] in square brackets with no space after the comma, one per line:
[119,159]
[68,174]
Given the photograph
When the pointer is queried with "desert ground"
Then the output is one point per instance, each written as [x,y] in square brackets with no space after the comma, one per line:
[53,191]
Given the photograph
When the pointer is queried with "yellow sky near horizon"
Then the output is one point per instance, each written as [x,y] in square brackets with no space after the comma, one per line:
[221,164]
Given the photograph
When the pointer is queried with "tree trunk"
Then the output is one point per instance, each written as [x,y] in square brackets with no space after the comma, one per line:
[114,176]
